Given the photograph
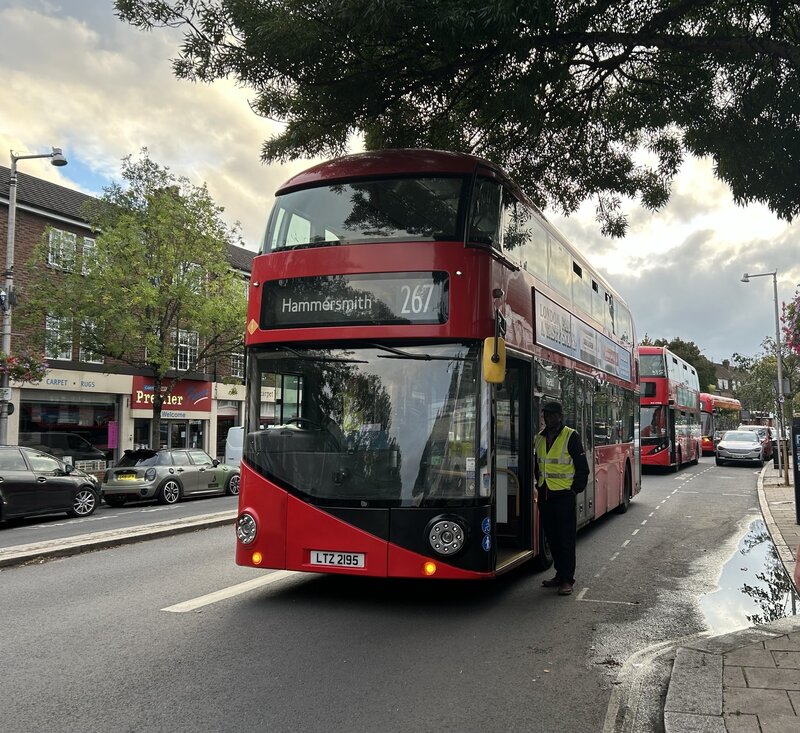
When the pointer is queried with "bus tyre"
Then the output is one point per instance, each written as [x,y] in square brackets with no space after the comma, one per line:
[719,462]
[678,461]
[545,557]
[170,492]
[626,494]
[697,453]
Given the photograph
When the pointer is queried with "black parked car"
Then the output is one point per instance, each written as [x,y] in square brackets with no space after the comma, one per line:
[32,482]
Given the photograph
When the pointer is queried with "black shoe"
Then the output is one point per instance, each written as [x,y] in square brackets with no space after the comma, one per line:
[564,589]
[552,583]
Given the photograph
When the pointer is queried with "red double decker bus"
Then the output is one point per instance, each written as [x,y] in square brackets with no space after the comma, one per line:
[409,313]
[670,399]
[717,414]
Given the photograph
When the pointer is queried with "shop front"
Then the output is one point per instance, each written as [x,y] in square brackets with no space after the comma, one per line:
[74,416]
[185,414]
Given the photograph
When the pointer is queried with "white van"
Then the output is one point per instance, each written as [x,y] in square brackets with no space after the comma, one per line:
[233,446]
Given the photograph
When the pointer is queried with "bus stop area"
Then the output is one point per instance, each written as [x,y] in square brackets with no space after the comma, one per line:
[747,681]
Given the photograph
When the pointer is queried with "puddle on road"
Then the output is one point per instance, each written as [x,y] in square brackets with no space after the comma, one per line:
[754,587]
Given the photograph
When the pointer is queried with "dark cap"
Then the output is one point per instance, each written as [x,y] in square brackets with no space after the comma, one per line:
[552,407]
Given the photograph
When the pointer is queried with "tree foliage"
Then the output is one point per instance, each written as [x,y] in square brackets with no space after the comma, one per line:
[159,268]
[565,95]
[758,390]
[689,351]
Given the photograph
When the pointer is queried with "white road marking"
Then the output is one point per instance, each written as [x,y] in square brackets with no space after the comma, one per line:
[594,600]
[635,532]
[613,557]
[230,592]
[626,543]
[644,522]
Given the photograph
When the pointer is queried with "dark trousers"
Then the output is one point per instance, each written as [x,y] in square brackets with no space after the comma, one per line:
[557,515]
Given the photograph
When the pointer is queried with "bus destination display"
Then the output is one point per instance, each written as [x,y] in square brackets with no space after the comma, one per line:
[342,300]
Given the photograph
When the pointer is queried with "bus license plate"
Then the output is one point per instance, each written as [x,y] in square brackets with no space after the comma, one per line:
[337,559]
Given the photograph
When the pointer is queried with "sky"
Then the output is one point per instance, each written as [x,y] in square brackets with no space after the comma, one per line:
[76,77]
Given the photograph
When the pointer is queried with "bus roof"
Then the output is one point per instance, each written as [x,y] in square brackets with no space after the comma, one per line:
[386,162]
[719,401]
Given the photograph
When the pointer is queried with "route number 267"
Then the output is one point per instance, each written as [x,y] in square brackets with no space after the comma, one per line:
[416,299]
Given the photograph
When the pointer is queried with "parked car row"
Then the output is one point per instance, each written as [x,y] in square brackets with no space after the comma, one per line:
[33,482]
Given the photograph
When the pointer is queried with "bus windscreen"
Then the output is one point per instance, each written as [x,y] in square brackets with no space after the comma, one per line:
[384,210]
[367,426]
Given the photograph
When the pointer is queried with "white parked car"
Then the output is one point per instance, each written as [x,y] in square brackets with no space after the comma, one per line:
[740,446]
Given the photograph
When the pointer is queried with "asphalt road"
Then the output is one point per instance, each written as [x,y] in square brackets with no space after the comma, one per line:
[88,642]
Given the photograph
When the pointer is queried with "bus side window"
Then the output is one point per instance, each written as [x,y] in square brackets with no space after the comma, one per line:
[485,219]
[559,274]
[534,247]
[515,233]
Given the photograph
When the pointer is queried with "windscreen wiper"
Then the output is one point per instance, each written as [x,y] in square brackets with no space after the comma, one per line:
[399,354]
[307,357]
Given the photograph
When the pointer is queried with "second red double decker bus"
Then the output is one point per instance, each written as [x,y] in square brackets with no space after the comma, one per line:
[409,313]
[670,397]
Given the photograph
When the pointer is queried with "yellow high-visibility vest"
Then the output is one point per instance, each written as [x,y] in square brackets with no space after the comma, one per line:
[555,465]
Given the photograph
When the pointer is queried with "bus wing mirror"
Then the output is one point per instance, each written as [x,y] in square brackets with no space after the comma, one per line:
[494,362]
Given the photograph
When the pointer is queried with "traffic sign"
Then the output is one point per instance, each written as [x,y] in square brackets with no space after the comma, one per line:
[5,394]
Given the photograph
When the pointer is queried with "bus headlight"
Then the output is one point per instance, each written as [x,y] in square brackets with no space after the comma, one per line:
[246,529]
[446,536]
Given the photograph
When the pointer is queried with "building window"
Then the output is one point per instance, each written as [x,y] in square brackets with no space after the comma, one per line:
[186,345]
[86,354]
[61,249]
[88,255]
[58,338]
[194,277]
[237,365]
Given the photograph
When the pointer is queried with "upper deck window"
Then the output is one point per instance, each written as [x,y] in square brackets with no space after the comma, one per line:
[384,210]
[652,365]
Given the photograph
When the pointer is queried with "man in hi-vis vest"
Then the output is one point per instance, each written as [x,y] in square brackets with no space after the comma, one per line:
[561,473]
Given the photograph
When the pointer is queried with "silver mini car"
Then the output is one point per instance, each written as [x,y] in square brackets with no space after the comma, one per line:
[167,475]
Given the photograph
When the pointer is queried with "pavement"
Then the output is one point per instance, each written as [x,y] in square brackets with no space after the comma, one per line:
[747,681]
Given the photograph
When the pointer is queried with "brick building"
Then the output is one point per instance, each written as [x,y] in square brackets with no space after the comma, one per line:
[90,409]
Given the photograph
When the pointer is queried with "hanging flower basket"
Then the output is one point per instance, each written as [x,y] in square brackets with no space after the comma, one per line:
[23,367]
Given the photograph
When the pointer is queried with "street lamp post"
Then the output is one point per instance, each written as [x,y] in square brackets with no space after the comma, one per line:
[7,294]
[782,457]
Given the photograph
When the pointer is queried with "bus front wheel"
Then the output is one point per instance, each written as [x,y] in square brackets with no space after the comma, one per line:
[545,557]
[678,461]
